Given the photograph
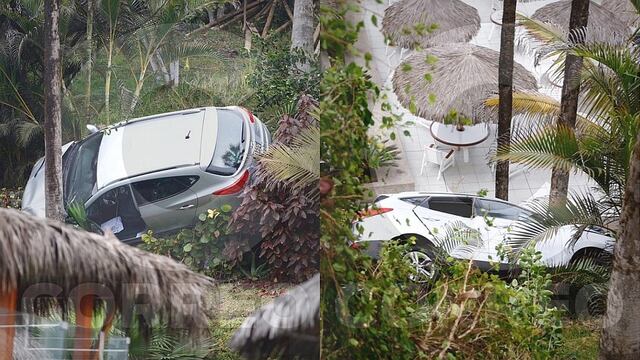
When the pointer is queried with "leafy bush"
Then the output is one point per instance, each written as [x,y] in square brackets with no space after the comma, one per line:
[477,315]
[11,198]
[284,215]
[377,310]
[278,81]
[202,248]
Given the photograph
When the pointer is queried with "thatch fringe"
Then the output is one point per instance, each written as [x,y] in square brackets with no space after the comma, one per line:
[455,22]
[624,10]
[36,251]
[603,25]
[289,326]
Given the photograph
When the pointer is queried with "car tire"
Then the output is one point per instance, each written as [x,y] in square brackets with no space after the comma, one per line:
[584,300]
[422,257]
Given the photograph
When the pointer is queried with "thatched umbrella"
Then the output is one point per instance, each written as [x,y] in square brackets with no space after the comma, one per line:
[453,77]
[407,23]
[36,251]
[624,10]
[603,25]
[289,326]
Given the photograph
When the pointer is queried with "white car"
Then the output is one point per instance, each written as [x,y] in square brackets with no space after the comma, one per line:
[425,215]
[157,172]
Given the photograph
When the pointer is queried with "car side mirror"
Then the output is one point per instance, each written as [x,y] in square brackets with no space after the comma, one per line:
[92,128]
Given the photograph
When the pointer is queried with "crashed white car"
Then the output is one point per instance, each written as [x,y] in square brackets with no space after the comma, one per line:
[423,216]
[158,172]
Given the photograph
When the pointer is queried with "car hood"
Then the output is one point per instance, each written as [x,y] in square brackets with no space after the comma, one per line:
[33,196]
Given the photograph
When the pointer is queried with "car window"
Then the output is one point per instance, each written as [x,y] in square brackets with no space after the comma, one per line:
[229,150]
[454,205]
[497,209]
[116,212]
[79,169]
[414,200]
[153,190]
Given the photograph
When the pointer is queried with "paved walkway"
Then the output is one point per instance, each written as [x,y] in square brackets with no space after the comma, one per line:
[471,177]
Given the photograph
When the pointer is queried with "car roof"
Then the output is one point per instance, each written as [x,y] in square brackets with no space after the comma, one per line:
[155,143]
[449,194]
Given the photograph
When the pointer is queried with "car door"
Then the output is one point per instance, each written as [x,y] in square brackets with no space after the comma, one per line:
[498,217]
[116,211]
[167,203]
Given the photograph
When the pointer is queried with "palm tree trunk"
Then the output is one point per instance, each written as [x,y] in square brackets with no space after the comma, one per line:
[54,208]
[107,80]
[620,338]
[569,101]
[89,55]
[505,91]
[302,29]
[174,72]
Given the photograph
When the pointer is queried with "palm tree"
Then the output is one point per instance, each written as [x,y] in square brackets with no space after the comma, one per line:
[302,28]
[620,338]
[569,100]
[54,206]
[505,88]
[605,145]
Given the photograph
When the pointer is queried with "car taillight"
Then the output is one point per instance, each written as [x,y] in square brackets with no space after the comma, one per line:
[373,212]
[236,186]
[252,119]
[356,246]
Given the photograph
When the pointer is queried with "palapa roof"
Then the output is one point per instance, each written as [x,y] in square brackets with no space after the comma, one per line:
[290,325]
[454,77]
[455,21]
[36,251]
[624,10]
[603,25]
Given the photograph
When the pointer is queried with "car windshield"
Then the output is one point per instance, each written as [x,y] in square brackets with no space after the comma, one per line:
[498,209]
[79,170]
[229,151]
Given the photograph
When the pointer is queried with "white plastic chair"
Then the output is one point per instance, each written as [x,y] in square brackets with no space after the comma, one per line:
[437,156]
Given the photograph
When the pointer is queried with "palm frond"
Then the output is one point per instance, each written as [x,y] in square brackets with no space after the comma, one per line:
[28,132]
[455,238]
[296,164]
[539,109]
[549,147]
[581,210]
[538,38]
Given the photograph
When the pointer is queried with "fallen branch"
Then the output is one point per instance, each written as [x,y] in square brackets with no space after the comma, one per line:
[227,17]
[267,24]
[282,27]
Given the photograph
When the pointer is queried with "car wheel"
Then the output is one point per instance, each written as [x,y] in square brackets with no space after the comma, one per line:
[423,265]
[585,300]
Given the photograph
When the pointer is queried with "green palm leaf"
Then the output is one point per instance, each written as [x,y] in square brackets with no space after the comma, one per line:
[579,212]
[296,164]
[548,147]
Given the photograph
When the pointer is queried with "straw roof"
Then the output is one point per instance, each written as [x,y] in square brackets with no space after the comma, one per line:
[453,77]
[37,251]
[624,10]
[455,21]
[603,25]
[290,325]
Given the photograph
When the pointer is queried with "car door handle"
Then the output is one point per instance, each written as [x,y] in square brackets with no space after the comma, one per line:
[185,207]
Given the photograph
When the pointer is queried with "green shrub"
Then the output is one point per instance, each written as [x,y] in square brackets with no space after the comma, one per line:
[11,198]
[202,248]
[278,81]
[284,215]
[477,315]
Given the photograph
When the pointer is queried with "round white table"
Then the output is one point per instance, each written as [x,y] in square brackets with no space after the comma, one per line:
[461,140]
